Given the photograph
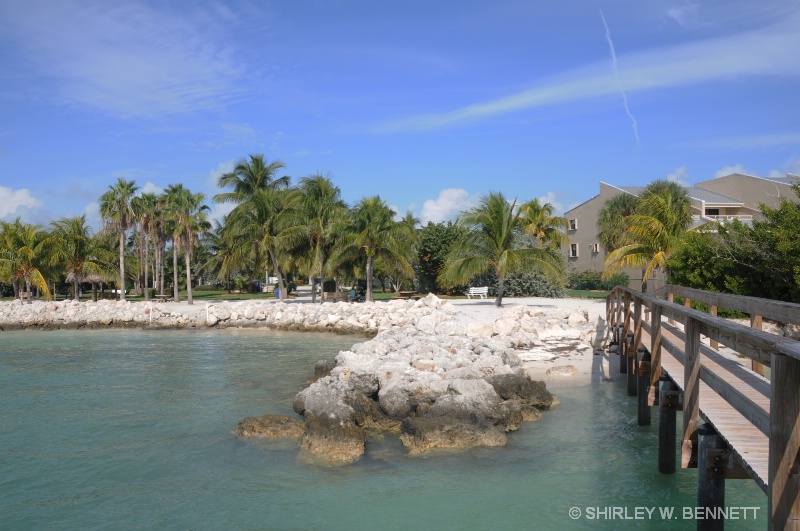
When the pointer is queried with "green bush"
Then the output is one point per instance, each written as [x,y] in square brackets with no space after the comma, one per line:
[520,285]
[593,280]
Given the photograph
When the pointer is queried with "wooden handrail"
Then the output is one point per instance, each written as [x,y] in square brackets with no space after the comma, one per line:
[784,312]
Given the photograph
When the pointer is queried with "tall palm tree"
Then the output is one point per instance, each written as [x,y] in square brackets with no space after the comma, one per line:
[546,229]
[370,231]
[653,233]
[322,207]
[226,254]
[26,254]
[83,255]
[262,208]
[117,214]
[248,177]
[144,208]
[491,243]
[188,216]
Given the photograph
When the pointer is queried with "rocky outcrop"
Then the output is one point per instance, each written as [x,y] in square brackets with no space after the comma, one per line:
[433,385]
[270,427]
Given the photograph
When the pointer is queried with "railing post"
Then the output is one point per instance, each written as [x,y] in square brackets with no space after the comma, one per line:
[623,341]
[668,404]
[758,323]
[713,311]
[633,350]
[655,354]
[671,298]
[784,443]
[710,479]
[643,383]
[691,394]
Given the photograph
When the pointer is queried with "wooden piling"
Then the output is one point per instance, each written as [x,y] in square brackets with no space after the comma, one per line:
[710,479]
[667,403]
[691,394]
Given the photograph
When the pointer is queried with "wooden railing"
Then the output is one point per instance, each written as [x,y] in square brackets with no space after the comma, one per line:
[781,424]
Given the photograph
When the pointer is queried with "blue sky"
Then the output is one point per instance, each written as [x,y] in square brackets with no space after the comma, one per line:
[428,104]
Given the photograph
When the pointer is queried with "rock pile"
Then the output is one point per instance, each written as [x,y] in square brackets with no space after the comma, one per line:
[434,385]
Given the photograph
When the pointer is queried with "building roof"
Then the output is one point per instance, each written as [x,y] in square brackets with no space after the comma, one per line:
[698,194]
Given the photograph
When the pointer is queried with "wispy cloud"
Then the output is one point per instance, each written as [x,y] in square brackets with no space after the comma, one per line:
[15,201]
[558,206]
[126,60]
[759,52]
[447,206]
[615,68]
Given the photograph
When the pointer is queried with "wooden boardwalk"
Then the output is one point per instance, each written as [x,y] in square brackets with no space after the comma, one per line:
[737,424]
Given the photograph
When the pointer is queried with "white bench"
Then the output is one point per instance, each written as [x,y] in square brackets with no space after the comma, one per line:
[482,292]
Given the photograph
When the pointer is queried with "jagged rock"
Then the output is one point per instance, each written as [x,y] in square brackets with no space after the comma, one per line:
[270,427]
[562,370]
[323,368]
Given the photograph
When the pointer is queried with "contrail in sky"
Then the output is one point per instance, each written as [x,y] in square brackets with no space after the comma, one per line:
[634,124]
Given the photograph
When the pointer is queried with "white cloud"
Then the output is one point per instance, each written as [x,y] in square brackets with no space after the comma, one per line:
[551,198]
[727,170]
[129,60]
[13,200]
[447,206]
[150,188]
[680,176]
[733,56]
[214,175]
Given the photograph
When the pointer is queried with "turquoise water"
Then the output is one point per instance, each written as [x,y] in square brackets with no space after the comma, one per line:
[132,429]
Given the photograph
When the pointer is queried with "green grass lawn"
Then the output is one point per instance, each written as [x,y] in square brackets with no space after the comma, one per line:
[586,294]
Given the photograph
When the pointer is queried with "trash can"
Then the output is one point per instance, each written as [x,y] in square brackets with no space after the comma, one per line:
[277,293]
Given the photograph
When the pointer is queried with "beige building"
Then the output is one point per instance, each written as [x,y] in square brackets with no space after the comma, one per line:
[734,196]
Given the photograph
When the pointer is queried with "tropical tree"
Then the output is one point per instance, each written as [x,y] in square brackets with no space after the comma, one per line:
[84,256]
[248,177]
[118,215]
[492,243]
[226,255]
[322,208]
[653,233]
[434,242]
[144,209]
[25,254]
[369,232]
[188,215]
[539,222]
[611,220]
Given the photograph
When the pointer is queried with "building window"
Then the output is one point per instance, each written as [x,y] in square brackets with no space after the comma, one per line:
[573,224]
[712,212]
[573,250]
[595,247]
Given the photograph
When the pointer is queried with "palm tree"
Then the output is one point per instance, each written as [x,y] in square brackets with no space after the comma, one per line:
[322,207]
[491,243]
[263,206]
[144,208]
[25,254]
[226,254]
[248,177]
[370,232]
[611,219]
[187,213]
[653,233]
[83,255]
[117,214]
[546,229]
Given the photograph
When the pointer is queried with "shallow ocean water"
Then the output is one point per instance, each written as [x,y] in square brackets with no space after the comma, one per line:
[133,429]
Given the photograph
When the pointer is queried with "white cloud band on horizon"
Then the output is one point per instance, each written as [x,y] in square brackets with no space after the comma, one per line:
[755,53]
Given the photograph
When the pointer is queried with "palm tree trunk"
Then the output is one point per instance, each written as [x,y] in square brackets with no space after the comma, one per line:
[122,265]
[281,291]
[188,256]
[175,294]
[28,289]
[499,300]
[75,293]
[94,291]
[370,268]
[146,267]
[313,283]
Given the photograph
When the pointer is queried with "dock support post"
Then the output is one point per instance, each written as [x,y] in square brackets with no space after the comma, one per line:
[630,360]
[626,329]
[710,479]
[643,390]
[655,354]
[667,403]
[784,443]
[691,394]
[633,349]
